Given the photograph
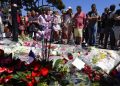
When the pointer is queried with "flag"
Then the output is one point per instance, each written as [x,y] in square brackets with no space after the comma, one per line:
[31,54]
[31,57]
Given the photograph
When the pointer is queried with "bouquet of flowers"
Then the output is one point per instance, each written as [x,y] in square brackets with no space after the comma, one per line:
[39,72]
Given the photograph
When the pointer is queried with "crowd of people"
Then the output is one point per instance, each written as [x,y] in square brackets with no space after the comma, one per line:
[90,28]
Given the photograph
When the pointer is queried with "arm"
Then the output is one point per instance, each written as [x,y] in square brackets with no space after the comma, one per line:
[92,17]
[36,20]
[116,17]
[85,21]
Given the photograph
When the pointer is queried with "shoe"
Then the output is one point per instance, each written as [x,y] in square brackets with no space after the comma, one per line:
[104,47]
[114,48]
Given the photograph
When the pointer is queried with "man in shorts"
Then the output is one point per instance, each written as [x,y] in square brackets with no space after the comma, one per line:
[79,20]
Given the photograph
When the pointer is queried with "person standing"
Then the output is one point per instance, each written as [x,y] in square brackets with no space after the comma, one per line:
[34,24]
[67,30]
[1,20]
[56,26]
[109,28]
[104,20]
[92,17]
[79,20]
[117,27]
[27,24]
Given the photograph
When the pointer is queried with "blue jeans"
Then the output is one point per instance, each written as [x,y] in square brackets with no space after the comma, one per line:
[92,34]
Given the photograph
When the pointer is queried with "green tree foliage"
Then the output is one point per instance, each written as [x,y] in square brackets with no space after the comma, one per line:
[57,3]
[35,4]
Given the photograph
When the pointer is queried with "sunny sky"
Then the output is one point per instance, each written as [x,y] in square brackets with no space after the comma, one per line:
[86,4]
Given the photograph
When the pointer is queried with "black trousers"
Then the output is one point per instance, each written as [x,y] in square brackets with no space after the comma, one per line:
[109,32]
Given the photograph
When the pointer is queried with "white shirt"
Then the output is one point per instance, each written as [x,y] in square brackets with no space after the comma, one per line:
[42,20]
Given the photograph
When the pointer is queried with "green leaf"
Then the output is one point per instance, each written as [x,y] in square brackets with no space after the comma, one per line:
[58,61]
[16,76]
[42,84]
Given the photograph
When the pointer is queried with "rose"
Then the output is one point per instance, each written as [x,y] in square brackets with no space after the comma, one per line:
[2,69]
[36,67]
[90,76]
[28,76]
[7,78]
[34,74]
[33,80]
[1,80]
[97,78]
[30,84]
[70,57]
[44,71]
[114,72]
[39,73]
[10,70]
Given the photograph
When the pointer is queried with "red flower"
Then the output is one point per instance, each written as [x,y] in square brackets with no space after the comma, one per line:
[70,57]
[114,72]
[10,70]
[33,80]
[7,78]
[1,80]
[97,78]
[2,69]
[39,73]
[36,67]
[90,76]
[44,71]
[28,76]
[34,74]
[29,84]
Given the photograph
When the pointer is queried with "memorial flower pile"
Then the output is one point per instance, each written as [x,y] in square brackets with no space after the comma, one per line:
[37,72]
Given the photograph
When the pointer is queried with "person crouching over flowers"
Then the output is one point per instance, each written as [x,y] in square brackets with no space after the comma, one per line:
[56,26]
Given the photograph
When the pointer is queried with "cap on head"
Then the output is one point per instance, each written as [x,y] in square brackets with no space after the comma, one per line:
[69,7]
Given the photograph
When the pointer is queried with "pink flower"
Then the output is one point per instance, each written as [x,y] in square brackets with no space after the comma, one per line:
[2,69]
[10,70]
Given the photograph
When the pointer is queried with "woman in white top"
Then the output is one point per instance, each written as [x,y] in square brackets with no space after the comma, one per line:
[67,30]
